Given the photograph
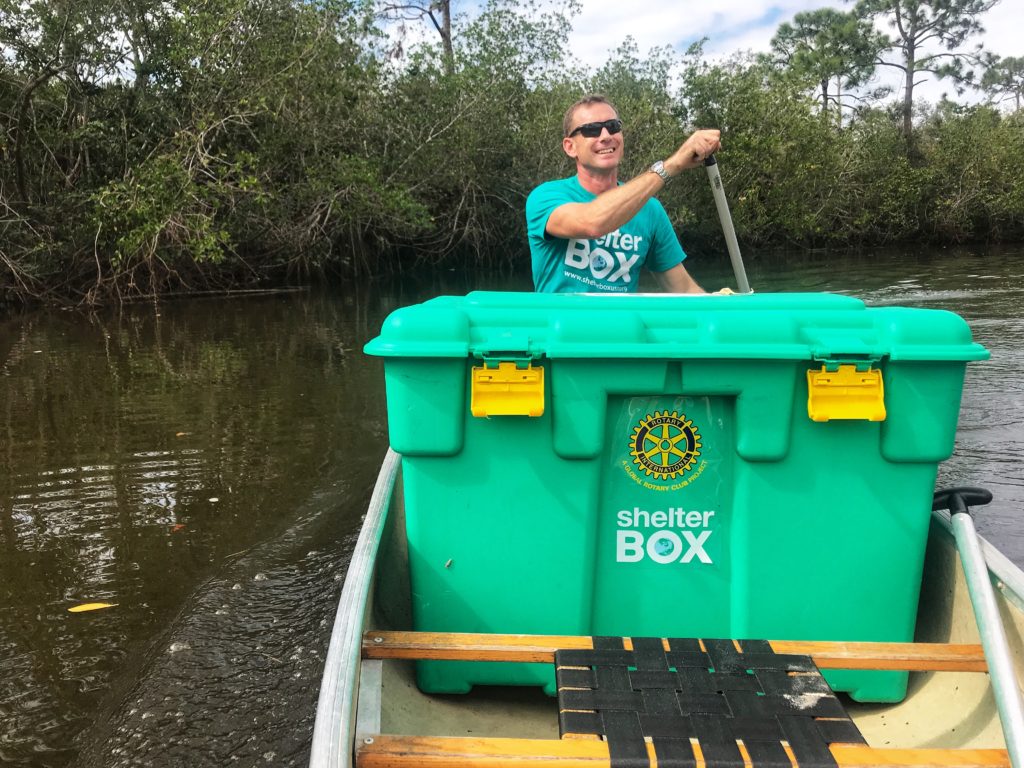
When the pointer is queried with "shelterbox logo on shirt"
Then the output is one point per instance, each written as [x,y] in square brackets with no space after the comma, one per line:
[609,258]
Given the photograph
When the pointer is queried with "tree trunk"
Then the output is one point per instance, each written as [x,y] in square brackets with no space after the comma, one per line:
[444,8]
[21,128]
[839,103]
[908,94]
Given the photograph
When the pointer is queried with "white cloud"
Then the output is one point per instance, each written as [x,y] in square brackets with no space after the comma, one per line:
[737,25]
[603,24]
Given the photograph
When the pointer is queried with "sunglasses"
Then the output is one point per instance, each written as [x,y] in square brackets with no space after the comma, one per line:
[593,130]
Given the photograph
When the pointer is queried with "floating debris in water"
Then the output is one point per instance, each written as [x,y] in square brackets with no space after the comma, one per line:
[175,647]
[90,607]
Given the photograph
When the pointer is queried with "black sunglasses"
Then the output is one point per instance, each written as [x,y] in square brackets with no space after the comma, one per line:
[593,130]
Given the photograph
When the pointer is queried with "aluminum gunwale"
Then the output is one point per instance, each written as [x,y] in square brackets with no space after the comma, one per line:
[1008,578]
[993,635]
[334,728]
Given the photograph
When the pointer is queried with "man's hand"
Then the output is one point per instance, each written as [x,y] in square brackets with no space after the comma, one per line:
[694,150]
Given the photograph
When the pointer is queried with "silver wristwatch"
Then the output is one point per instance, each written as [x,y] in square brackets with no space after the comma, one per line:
[659,168]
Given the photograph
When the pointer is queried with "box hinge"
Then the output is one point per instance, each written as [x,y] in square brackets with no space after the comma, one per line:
[845,391]
[507,388]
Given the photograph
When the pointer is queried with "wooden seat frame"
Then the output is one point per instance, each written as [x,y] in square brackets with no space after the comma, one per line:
[391,751]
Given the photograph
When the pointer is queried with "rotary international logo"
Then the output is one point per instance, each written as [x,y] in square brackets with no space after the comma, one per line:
[665,445]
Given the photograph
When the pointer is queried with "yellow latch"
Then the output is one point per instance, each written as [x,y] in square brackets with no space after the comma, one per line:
[507,391]
[845,394]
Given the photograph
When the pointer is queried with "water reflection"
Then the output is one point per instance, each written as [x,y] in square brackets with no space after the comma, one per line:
[147,453]
[205,466]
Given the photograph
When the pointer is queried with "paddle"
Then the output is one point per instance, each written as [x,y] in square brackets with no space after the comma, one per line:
[730,234]
[993,638]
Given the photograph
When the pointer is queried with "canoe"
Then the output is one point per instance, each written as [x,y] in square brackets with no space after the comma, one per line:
[371,712]
[528,587]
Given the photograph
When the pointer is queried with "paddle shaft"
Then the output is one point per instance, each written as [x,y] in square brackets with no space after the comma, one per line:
[723,214]
[993,638]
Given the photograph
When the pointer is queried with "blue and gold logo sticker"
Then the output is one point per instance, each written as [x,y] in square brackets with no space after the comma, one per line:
[665,445]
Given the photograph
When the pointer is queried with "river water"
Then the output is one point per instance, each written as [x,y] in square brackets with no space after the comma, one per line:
[204,465]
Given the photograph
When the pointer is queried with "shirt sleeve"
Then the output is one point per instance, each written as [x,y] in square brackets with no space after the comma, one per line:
[540,204]
[665,251]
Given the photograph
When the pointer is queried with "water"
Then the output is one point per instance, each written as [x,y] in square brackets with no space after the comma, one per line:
[205,464]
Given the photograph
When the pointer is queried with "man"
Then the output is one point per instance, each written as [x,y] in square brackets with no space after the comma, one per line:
[589,232]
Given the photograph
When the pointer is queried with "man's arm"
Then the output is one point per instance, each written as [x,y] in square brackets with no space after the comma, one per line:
[606,213]
[677,280]
[611,209]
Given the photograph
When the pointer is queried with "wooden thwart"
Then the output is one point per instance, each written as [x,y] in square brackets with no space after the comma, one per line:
[391,751]
[541,648]
[450,752]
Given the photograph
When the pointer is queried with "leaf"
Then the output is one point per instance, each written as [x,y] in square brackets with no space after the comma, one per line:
[90,607]
[178,527]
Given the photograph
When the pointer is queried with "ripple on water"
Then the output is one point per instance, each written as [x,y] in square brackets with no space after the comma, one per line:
[246,654]
[206,470]
[140,457]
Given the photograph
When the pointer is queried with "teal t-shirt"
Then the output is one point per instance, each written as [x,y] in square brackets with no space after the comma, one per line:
[611,263]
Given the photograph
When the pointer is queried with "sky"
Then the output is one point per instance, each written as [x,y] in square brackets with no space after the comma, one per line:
[736,25]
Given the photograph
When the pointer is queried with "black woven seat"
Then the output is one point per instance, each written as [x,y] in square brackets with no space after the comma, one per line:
[715,695]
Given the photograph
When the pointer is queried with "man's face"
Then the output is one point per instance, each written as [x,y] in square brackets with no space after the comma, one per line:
[600,155]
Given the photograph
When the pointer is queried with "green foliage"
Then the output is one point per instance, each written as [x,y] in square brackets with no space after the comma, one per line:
[976,174]
[158,210]
[779,153]
[921,24]
[151,146]
[823,45]
[1004,79]
[459,142]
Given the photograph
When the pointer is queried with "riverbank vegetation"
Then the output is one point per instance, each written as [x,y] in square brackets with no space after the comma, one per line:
[159,146]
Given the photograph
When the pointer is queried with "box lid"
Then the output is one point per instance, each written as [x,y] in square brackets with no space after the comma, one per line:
[769,326]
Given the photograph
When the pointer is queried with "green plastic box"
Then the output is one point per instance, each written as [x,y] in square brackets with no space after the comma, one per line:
[675,484]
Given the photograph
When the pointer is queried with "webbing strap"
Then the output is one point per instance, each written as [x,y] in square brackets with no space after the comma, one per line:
[715,695]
